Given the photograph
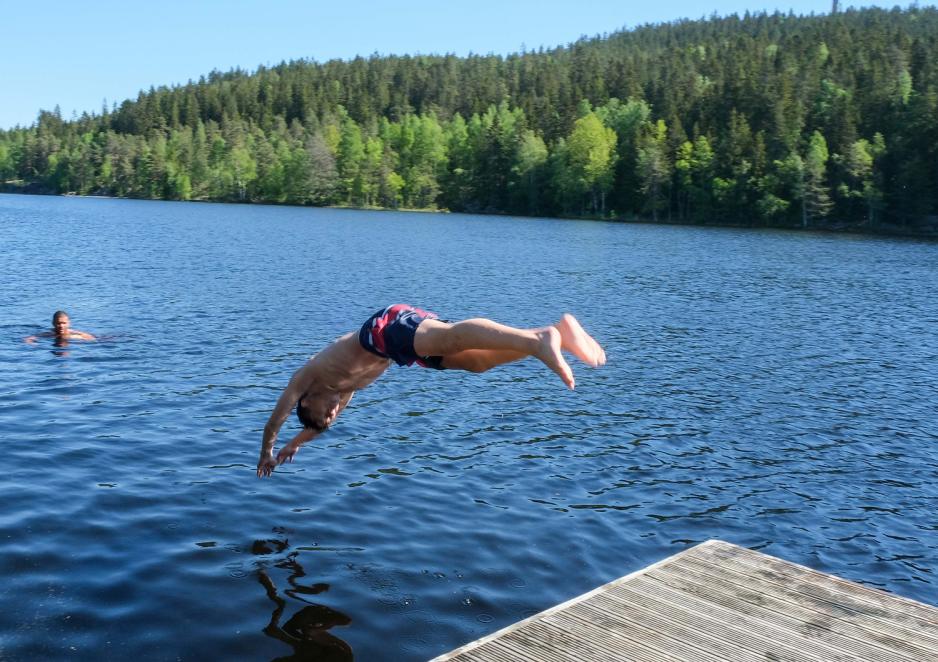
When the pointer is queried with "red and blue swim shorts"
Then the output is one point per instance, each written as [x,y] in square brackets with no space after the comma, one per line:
[389,333]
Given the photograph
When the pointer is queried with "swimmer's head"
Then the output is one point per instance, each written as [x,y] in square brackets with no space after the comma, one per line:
[317,413]
[60,323]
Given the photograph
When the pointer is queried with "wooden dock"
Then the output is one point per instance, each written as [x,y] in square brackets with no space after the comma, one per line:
[717,602]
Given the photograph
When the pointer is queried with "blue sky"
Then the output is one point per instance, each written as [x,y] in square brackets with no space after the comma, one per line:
[77,54]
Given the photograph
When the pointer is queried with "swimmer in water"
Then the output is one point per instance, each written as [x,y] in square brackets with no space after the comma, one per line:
[322,388]
[61,330]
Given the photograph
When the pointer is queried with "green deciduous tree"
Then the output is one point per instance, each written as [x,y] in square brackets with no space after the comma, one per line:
[529,175]
[628,120]
[861,183]
[590,161]
[693,165]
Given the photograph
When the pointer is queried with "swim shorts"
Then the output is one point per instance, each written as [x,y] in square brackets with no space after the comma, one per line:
[389,333]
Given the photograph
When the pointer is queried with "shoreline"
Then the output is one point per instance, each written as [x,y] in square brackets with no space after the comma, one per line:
[830,228]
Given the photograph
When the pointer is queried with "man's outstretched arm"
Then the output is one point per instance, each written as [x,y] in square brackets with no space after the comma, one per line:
[278,417]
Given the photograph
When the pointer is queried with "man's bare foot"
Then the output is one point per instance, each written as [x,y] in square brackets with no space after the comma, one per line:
[578,342]
[549,353]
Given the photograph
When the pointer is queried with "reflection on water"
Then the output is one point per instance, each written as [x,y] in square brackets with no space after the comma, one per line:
[60,345]
[307,631]
[772,389]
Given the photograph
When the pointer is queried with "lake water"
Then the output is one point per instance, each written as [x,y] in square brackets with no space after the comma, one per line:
[773,389]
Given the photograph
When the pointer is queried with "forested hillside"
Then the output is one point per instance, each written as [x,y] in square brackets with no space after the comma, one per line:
[764,120]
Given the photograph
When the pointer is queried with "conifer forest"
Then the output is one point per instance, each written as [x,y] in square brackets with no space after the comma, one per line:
[764,120]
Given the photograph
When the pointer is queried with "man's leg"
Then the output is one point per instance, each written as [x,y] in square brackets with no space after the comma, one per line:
[573,338]
[480,344]
[435,338]
[480,360]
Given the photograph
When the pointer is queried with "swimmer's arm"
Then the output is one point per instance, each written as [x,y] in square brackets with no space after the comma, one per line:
[288,452]
[297,386]
[267,462]
[279,416]
[81,335]
[30,340]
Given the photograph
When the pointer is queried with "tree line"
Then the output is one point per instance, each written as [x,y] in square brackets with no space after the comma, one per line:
[762,119]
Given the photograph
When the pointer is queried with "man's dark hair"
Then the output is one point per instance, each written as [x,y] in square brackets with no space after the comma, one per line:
[307,421]
[57,314]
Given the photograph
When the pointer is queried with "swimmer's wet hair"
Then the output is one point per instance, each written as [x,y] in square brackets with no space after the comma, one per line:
[57,314]
[302,413]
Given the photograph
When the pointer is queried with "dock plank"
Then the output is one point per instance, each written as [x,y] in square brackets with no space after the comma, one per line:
[718,601]
[818,584]
[651,629]
[768,629]
[738,637]
[843,617]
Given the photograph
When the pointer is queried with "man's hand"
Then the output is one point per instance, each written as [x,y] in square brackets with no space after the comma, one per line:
[288,452]
[266,465]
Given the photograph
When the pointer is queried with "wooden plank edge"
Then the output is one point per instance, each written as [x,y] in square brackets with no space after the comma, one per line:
[564,605]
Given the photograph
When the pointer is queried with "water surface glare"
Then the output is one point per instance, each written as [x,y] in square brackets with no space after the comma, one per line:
[776,390]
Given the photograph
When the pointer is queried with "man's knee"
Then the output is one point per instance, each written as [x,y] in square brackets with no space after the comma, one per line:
[475,363]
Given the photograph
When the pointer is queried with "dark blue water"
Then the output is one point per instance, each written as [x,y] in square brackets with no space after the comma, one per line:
[775,390]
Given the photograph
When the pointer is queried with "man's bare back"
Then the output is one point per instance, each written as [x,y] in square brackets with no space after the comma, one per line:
[322,388]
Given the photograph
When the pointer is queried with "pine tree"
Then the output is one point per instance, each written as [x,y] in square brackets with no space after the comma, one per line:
[816,193]
[654,167]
